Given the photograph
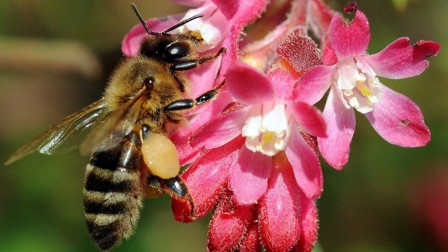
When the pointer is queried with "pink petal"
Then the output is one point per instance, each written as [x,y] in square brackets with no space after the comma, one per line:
[279,208]
[335,148]
[399,120]
[305,165]
[401,59]
[329,57]
[309,224]
[309,118]
[203,78]
[185,151]
[319,19]
[300,51]
[249,176]
[221,130]
[227,7]
[205,178]
[313,84]
[251,241]
[350,39]
[130,46]
[247,85]
[183,137]
[228,227]
[283,82]
[248,10]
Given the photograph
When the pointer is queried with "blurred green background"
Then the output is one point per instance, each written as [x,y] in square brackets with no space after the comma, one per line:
[56,56]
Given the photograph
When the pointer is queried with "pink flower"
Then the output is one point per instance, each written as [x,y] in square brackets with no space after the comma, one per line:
[284,218]
[270,123]
[258,154]
[352,77]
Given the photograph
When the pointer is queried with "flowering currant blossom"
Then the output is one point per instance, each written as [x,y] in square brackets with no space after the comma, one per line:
[258,144]
[261,148]
[352,77]
[252,152]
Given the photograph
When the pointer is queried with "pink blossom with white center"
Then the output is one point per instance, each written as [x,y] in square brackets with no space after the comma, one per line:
[270,123]
[351,75]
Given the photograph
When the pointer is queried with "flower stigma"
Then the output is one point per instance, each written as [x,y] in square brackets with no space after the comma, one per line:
[358,86]
[267,129]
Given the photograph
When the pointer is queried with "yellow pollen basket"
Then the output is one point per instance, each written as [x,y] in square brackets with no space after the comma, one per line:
[160,155]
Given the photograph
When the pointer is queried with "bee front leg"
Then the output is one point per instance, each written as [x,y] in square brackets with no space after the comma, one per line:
[190,103]
[191,64]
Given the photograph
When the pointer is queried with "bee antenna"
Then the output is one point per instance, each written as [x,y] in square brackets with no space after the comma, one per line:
[134,7]
[182,23]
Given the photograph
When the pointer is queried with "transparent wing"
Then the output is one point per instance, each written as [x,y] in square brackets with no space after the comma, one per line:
[114,128]
[65,133]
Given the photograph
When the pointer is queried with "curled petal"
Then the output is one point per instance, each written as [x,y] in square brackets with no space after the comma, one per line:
[309,118]
[313,84]
[228,227]
[350,39]
[399,120]
[305,165]
[335,148]
[279,208]
[221,130]
[205,178]
[130,46]
[249,176]
[401,59]
[247,85]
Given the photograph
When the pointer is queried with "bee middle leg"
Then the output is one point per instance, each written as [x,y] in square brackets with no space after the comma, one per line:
[190,103]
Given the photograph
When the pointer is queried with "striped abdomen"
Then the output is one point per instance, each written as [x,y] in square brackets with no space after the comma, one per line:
[113,193]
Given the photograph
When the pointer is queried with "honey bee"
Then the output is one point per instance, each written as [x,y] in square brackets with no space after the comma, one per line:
[132,156]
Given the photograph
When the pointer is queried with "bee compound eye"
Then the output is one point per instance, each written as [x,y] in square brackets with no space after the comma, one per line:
[177,50]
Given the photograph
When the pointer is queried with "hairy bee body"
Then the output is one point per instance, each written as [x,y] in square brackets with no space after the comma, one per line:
[116,179]
[132,156]
[113,192]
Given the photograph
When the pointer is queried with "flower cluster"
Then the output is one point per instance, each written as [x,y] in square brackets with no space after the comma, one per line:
[253,152]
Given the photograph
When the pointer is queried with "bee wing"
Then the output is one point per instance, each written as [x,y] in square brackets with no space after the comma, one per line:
[114,128]
[63,132]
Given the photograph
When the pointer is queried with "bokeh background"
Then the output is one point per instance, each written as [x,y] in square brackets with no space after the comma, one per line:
[55,58]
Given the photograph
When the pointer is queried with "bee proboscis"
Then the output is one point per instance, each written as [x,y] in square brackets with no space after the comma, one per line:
[132,156]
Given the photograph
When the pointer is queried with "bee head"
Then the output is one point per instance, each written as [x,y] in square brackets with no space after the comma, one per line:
[164,46]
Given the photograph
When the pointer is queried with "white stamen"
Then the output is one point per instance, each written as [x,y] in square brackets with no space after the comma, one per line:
[357,84]
[267,129]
